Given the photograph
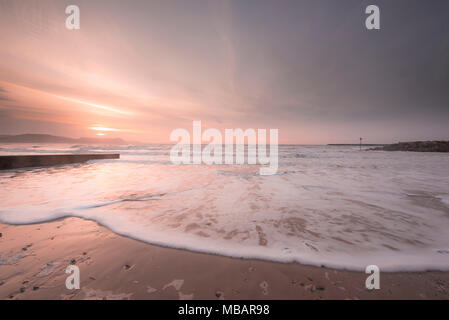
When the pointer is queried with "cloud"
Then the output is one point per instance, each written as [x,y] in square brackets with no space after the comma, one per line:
[3,95]
[155,66]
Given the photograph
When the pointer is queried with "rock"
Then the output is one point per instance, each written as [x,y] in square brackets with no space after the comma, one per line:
[416,146]
[310,287]
[35,288]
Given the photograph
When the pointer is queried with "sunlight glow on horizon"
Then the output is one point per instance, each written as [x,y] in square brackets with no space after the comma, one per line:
[103,129]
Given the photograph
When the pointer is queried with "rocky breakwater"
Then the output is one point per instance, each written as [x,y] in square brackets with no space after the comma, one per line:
[417,146]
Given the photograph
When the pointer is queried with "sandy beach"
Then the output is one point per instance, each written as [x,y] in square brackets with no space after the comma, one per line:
[33,260]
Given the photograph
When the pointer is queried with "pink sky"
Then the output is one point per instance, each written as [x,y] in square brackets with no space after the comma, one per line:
[138,72]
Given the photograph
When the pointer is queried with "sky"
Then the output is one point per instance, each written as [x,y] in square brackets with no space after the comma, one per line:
[309,68]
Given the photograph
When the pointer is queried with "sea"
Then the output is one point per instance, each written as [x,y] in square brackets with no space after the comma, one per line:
[331,206]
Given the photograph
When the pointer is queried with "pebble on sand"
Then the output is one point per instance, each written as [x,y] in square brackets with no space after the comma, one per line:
[310,287]
[26,247]
[150,289]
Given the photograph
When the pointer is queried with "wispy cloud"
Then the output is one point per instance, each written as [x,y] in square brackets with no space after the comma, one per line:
[147,67]
[3,95]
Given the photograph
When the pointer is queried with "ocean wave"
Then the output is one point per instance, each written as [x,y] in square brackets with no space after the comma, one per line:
[341,210]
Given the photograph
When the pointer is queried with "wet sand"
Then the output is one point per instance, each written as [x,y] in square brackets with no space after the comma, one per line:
[33,259]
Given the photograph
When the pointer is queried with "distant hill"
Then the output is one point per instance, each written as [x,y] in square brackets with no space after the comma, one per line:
[46,138]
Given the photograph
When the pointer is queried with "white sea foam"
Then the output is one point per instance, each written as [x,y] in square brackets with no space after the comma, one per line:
[329,206]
